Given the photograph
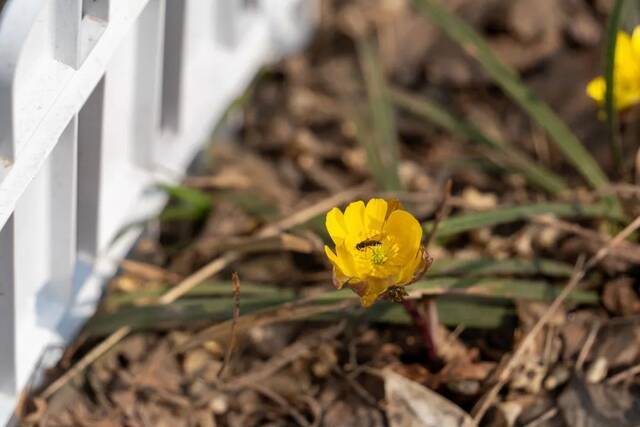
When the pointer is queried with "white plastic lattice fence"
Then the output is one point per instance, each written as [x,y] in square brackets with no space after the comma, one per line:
[98,99]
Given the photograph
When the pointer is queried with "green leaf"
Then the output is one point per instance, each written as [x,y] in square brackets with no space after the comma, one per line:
[447,289]
[475,312]
[488,266]
[188,203]
[514,158]
[478,313]
[181,312]
[504,288]
[381,143]
[472,221]
[509,81]
[612,117]
[205,289]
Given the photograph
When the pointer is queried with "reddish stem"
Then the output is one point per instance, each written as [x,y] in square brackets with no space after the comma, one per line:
[424,316]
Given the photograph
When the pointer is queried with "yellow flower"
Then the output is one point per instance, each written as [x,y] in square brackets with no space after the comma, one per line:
[626,73]
[378,248]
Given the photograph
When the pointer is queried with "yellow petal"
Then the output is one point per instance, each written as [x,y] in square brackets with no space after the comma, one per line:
[374,215]
[635,41]
[627,62]
[409,270]
[624,47]
[339,278]
[374,289]
[354,218]
[596,89]
[406,231]
[342,260]
[331,255]
[345,261]
[336,225]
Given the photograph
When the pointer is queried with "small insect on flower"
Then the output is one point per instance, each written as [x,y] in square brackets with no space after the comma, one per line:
[626,73]
[378,249]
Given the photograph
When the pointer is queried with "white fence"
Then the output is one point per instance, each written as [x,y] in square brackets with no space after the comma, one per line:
[98,100]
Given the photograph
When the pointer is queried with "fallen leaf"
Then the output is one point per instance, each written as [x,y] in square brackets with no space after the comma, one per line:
[409,404]
[599,405]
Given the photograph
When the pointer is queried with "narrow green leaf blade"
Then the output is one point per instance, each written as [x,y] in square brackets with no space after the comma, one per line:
[516,159]
[190,204]
[505,288]
[489,266]
[382,149]
[208,309]
[472,221]
[609,100]
[509,81]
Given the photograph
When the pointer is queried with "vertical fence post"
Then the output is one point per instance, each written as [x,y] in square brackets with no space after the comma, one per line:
[7,311]
[172,66]
[90,121]
[63,194]
[68,14]
[148,81]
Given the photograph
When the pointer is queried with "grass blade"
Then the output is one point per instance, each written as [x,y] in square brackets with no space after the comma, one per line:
[472,221]
[488,266]
[509,81]
[188,203]
[208,309]
[475,312]
[503,288]
[515,158]
[205,289]
[609,99]
[382,146]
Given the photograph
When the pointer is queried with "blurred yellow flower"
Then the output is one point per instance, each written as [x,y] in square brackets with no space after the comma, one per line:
[626,73]
[378,248]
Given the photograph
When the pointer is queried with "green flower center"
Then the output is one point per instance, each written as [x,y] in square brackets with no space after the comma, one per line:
[378,255]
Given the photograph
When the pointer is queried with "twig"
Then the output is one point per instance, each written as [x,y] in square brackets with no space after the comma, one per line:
[624,375]
[626,251]
[234,322]
[441,213]
[88,359]
[305,214]
[290,409]
[545,416]
[588,344]
[579,272]
[623,188]
[148,271]
[316,409]
[357,387]
[199,276]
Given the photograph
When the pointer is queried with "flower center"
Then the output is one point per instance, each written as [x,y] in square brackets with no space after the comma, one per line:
[378,255]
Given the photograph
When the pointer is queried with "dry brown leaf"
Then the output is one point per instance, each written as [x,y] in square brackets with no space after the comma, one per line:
[409,404]
[586,405]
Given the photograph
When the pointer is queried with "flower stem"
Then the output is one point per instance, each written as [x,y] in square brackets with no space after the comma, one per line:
[425,318]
